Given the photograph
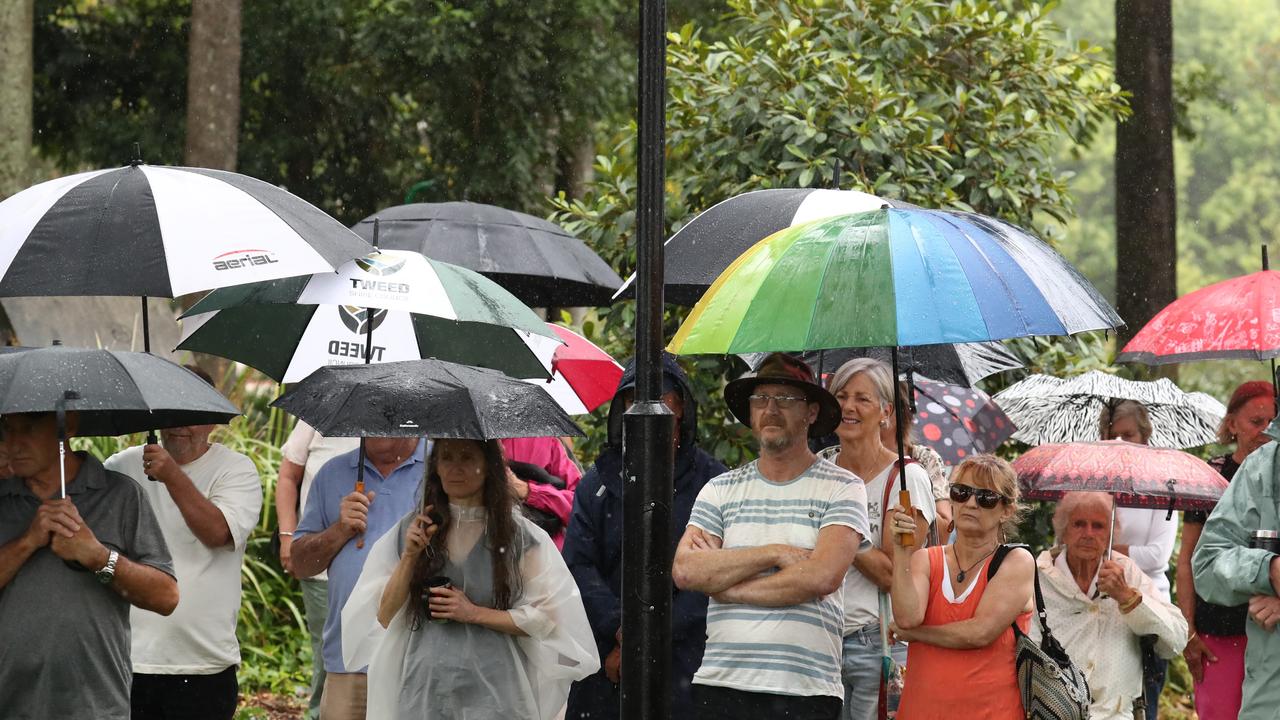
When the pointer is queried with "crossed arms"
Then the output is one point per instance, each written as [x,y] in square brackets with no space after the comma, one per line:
[742,575]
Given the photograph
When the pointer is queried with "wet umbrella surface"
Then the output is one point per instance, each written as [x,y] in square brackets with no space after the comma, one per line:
[429,398]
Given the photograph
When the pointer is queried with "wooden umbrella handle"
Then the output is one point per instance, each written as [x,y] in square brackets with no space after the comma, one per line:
[904,499]
[360,489]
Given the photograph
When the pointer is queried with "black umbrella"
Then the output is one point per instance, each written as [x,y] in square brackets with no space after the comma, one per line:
[698,252]
[537,261]
[963,364]
[114,392]
[416,398]
[158,231]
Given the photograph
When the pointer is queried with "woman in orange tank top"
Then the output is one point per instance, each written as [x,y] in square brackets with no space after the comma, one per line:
[958,623]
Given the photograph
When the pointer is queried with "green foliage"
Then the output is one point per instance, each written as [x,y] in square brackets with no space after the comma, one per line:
[959,104]
[347,103]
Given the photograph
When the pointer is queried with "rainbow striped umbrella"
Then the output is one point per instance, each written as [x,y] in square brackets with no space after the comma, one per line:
[892,277]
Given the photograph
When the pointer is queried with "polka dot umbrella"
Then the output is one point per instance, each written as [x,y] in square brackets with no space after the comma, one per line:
[958,421]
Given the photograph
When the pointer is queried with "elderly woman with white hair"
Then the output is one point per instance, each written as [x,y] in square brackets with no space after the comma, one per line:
[1101,606]
[864,389]
[1146,536]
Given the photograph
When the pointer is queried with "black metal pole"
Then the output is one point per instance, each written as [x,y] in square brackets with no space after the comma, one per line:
[1275,380]
[899,434]
[649,427]
[146,348]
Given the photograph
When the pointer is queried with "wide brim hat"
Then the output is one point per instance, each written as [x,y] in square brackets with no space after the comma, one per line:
[783,369]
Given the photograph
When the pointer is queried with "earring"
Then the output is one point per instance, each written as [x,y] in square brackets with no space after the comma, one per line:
[884,423]
[477,471]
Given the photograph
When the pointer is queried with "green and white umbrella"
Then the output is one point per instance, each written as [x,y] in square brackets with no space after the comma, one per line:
[398,304]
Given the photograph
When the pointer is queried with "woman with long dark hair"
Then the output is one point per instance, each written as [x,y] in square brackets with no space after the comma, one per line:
[481,616]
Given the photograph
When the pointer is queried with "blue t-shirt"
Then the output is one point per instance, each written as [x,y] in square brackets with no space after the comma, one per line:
[395,496]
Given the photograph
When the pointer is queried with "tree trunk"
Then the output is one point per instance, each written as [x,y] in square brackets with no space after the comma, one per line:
[1146,193]
[17,26]
[213,84]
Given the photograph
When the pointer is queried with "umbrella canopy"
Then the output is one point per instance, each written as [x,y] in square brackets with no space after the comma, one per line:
[114,392]
[1233,319]
[961,364]
[414,307]
[958,421]
[1047,409]
[429,398]
[583,377]
[707,244]
[1137,475]
[158,231]
[890,278]
[538,261]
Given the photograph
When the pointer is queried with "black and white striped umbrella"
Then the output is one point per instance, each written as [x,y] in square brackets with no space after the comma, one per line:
[1047,409]
[156,231]
[696,255]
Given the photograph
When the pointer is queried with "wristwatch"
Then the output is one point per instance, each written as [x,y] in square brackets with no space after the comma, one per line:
[108,571]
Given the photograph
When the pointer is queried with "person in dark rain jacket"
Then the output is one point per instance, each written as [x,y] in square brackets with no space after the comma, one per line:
[593,551]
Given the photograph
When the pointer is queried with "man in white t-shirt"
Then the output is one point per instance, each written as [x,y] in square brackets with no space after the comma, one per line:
[770,543]
[304,453]
[207,499]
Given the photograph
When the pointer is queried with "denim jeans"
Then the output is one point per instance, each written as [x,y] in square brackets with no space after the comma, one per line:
[721,703]
[861,668]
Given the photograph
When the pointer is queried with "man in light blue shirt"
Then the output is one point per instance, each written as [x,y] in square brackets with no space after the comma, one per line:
[328,537]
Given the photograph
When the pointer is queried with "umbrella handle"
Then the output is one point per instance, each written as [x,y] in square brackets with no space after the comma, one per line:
[360,489]
[904,499]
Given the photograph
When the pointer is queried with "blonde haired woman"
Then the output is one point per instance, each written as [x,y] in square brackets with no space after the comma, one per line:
[957,620]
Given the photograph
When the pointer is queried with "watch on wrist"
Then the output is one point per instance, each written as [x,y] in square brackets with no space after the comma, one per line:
[108,571]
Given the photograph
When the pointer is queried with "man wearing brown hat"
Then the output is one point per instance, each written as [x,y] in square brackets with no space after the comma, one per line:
[770,542]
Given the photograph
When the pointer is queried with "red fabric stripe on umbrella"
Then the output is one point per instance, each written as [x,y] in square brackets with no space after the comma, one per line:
[1137,475]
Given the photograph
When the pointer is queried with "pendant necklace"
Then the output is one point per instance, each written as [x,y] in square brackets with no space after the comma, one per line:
[960,576]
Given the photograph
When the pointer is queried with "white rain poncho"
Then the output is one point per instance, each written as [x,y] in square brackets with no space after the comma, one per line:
[469,672]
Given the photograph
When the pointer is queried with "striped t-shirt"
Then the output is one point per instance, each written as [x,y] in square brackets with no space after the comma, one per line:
[792,650]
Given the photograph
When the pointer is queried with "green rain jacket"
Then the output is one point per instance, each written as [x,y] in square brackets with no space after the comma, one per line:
[1229,572]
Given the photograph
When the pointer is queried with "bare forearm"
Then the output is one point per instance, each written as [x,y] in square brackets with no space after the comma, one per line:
[499,620]
[962,635]
[713,571]
[288,483]
[876,566]
[13,555]
[396,593]
[145,587]
[313,553]
[1184,576]
[204,518]
[789,586]
[908,608]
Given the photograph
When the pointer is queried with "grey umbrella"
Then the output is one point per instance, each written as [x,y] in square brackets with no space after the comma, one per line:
[536,260]
[963,364]
[1047,409]
[114,392]
[416,398]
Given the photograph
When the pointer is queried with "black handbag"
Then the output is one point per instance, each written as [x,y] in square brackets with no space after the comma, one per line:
[1052,687]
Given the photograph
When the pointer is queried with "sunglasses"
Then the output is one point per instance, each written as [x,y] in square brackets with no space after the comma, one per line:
[988,499]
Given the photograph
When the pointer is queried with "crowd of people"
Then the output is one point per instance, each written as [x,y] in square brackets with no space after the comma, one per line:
[483,579]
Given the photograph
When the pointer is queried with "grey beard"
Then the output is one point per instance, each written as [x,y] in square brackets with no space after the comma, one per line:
[778,444]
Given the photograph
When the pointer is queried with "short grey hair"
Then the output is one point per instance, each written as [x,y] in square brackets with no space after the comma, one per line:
[877,371]
[1072,502]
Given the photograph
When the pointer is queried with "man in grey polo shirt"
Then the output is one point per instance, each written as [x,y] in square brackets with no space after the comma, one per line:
[69,570]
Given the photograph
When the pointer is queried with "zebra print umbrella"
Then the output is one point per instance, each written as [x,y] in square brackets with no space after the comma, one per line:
[1061,410]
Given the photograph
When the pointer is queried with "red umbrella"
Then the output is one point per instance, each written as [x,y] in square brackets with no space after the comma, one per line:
[583,377]
[1137,475]
[1233,319]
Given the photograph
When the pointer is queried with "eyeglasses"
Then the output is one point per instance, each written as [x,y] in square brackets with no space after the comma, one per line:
[988,499]
[785,402]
